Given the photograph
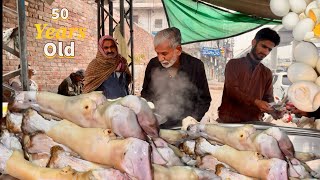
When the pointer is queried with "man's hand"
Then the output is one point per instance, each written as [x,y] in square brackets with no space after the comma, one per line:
[263,105]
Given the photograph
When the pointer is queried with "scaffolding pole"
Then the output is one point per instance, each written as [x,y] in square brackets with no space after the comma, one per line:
[130,10]
[98,20]
[23,44]
[111,18]
[102,18]
[122,17]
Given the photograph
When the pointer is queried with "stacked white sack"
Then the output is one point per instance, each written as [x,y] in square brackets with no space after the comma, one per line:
[303,18]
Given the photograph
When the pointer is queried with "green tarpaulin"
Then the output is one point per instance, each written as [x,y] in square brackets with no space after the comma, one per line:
[198,21]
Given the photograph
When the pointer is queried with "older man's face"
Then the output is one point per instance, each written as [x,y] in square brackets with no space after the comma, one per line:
[109,48]
[166,54]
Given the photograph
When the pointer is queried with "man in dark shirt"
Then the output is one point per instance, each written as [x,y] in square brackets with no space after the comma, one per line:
[248,83]
[175,82]
[72,85]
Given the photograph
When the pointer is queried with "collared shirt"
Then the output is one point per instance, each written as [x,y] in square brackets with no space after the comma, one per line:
[242,86]
[185,94]
[253,63]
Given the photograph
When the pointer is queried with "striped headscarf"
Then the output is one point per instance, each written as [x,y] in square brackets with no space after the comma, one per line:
[100,68]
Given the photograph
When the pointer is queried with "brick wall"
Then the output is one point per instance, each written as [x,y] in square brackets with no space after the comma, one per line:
[50,72]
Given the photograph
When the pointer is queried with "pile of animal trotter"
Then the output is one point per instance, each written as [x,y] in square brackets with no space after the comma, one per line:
[50,136]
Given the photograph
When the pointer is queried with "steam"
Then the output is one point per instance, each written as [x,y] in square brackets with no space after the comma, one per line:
[172,95]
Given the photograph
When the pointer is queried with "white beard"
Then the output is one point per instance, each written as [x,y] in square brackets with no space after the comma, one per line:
[165,65]
[169,63]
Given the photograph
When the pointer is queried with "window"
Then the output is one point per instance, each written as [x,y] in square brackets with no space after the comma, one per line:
[286,81]
[158,23]
[135,19]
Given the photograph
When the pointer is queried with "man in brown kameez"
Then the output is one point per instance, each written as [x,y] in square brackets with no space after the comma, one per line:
[248,83]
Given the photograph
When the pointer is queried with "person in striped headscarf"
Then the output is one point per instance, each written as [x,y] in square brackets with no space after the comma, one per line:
[108,72]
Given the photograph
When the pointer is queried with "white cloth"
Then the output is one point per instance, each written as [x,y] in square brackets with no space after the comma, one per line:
[17,85]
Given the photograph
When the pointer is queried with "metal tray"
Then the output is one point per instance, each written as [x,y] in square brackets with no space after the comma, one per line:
[303,140]
[289,130]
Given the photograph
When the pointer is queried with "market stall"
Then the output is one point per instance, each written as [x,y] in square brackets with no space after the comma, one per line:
[50,136]
[90,137]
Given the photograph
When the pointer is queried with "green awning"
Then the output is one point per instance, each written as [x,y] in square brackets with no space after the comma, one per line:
[199,21]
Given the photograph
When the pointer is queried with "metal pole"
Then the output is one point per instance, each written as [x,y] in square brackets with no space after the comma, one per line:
[122,17]
[110,18]
[98,23]
[22,44]
[131,35]
[102,17]
[274,59]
